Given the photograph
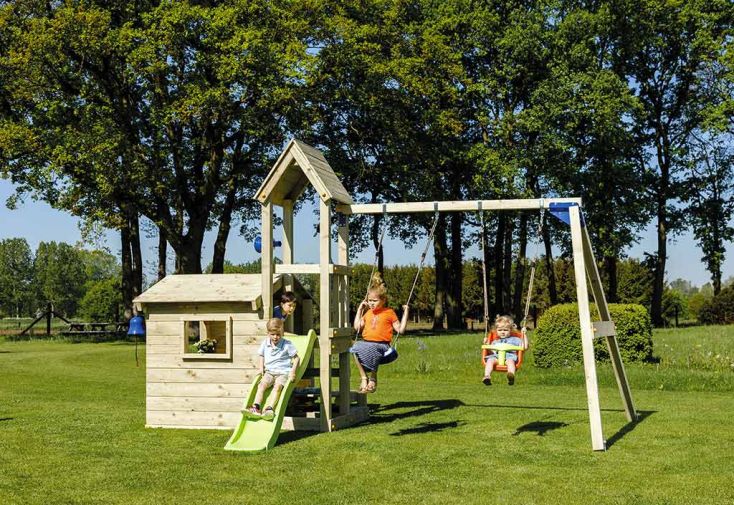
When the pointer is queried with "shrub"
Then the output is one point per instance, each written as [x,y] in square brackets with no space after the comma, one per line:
[101,301]
[719,309]
[557,340]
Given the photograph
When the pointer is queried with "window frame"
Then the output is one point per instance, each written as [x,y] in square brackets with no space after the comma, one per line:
[195,356]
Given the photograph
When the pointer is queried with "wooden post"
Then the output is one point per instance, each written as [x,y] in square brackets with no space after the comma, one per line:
[343,309]
[49,311]
[287,249]
[267,260]
[324,312]
[612,345]
[587,333]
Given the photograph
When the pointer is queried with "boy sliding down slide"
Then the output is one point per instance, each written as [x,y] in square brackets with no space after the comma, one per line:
[278,364]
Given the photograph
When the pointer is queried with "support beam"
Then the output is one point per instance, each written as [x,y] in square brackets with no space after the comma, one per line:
[325,320]
[611,337]
[287,250]
[267,260]
[587,333]
[453,206]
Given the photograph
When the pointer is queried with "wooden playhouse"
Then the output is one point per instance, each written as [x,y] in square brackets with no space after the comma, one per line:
[186,389]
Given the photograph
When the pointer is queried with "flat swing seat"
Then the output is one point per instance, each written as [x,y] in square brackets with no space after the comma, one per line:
[502,350]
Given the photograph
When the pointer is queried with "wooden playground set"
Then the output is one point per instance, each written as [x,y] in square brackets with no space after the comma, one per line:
[187,389]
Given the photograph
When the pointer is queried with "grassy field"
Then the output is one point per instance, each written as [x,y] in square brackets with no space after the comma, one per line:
[72,416]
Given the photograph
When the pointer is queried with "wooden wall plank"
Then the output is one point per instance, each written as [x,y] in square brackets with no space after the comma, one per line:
[178,389]
[182,419]
[193,404]
[203,375]
[239,360]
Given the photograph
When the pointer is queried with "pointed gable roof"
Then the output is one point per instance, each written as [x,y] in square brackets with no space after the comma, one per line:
[298,165]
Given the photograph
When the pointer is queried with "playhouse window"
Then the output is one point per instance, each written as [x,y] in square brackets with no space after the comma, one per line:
[207,338]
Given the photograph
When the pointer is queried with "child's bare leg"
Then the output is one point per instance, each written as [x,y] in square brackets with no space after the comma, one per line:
[488,367]
[511,371]
[261,388]
[491,362]
[362,373]
[273,398]
[372,384]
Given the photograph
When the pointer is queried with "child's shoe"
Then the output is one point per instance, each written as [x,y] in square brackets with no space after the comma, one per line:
[253,411]
[268,414]
[487,381]
[510,379]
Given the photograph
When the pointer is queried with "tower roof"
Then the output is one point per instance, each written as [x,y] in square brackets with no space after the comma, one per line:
[298,165]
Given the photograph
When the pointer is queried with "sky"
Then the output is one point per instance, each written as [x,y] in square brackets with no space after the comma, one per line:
[38,222]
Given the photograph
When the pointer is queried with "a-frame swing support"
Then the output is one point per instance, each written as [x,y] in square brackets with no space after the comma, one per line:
[569,210]
[301,165]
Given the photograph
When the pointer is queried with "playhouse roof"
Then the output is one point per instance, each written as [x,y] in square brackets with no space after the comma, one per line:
[298,165]
[195,288]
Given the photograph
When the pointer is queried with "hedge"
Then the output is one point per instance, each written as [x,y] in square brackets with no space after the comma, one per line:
[719,309]
[557,339]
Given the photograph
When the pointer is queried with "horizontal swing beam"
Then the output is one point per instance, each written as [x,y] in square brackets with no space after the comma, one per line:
[453,206]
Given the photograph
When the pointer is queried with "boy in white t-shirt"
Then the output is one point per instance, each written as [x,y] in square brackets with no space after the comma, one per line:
[278,364]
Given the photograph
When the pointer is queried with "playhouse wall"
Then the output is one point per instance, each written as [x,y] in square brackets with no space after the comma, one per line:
[183,393]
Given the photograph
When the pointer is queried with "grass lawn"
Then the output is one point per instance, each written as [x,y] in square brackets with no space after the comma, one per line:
[72,417]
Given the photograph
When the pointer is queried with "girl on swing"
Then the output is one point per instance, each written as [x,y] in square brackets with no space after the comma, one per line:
[507,333]
[377,326]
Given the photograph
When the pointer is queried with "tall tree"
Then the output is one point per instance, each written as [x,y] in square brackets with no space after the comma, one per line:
[711,197]
[164,109]
[663,48]
[60,276]
[16,277]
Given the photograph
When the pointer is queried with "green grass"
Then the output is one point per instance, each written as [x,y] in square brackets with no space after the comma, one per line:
[72,417]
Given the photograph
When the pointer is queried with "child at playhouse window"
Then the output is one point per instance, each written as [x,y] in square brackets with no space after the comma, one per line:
[287,305]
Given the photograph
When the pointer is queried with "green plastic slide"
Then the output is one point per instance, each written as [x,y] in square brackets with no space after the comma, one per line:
[259,434]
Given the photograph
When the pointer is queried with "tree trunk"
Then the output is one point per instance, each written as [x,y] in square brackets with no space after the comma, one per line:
[507,269]
[137,256]
[127,268]
[517,307]
[376,233]
[453,299]
[610,265]
[440,253]
[656,309]
[220,245]
[497,307]
[550,271]
[162,253]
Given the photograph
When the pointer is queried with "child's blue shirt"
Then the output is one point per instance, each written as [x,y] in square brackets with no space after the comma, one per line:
[277,357]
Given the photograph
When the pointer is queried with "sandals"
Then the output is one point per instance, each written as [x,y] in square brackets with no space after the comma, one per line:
[371,386]
[268,413]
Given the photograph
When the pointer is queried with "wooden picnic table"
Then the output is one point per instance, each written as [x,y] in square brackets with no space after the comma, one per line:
[95,328]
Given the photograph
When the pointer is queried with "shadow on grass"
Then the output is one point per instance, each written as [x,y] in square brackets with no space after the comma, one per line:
[6,419]
[540,428]
[641,416]
[427,428]
[418,408]
[287,437]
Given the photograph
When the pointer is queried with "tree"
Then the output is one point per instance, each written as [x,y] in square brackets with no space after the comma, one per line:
[663,48]
[102,300]
[711,197]
[16,277]
[171,110]
[60,276]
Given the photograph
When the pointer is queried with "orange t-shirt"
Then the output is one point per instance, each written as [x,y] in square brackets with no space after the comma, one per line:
[378,325]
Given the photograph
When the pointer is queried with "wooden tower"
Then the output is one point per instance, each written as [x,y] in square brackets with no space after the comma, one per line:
[298,166]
